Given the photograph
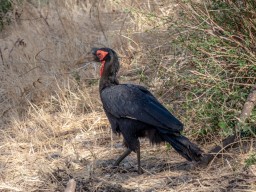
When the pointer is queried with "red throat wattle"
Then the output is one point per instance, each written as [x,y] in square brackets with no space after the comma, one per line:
[101,55]
[102,67]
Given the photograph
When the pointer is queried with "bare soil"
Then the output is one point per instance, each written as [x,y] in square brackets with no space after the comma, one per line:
[52,125]
[164,170]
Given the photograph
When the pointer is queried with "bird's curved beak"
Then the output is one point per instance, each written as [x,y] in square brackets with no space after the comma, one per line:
[94,51]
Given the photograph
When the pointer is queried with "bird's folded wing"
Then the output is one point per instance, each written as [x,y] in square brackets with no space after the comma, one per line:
[136,102]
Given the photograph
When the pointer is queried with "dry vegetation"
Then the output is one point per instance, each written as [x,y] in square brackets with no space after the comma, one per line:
[52,124]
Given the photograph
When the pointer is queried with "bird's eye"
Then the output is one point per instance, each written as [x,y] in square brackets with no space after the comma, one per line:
[98,54]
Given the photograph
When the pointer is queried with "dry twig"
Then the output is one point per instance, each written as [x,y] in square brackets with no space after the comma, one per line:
[71,186]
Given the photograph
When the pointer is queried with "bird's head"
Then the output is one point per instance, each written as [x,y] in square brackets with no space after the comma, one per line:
[109,61]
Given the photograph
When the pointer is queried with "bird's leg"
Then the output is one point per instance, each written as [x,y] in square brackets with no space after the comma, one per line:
[125,154]
[140,171]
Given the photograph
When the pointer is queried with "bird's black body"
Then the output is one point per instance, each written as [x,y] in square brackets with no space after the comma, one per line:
[134,112]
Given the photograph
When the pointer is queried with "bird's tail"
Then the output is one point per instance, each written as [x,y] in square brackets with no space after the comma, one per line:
[184,147]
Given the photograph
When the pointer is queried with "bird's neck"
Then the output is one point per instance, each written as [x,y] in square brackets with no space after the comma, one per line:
[108,73]
[108,81]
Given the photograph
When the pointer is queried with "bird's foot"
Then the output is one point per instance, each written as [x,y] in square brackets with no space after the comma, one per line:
[140,171]
[114,166]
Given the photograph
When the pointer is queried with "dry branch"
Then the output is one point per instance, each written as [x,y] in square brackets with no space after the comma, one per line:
[227,142]
[249,105]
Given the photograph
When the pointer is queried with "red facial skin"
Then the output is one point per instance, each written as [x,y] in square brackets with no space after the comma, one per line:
[101,55]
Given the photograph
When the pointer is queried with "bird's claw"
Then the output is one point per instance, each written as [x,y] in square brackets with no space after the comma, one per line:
[140,171]
[114,166]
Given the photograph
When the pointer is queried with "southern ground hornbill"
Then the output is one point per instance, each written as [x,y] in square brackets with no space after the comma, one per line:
[134,112]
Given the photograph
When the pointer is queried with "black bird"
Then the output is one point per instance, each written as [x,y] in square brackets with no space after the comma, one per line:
[134,112]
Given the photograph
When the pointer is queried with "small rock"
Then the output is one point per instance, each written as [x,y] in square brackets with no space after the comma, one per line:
[54,156]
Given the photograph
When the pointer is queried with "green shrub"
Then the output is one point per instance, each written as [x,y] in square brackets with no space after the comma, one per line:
[221,41]
[5,6]
[251,160]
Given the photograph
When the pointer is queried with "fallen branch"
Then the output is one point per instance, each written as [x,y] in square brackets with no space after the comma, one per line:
[249,105]
[227,142]
[71,186]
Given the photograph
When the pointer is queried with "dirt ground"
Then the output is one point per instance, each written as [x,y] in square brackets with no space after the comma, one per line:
[164,169]
[52,124]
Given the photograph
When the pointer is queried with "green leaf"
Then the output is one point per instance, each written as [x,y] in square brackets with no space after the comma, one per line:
[222,125]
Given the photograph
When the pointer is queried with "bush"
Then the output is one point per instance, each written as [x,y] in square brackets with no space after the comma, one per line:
[251,160]
[221,39]
[5,6]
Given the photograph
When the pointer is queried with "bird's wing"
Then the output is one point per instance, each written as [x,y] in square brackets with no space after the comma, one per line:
[136,102]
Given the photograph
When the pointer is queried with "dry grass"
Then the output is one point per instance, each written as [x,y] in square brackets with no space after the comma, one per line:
[52,124]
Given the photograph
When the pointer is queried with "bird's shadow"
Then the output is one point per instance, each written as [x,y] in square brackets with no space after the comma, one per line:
[158,166]
[153,166]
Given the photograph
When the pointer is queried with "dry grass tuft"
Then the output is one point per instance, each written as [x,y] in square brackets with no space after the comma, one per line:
[52,124]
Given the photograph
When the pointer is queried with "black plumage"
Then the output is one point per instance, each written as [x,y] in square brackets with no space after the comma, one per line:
[134,112]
